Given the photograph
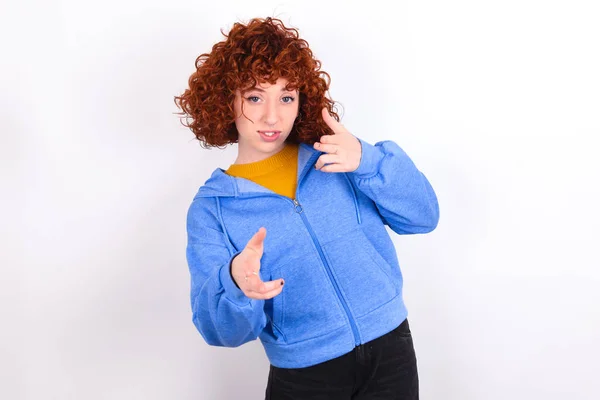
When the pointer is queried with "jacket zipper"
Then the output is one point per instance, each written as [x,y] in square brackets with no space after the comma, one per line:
[328,268]
[298,209]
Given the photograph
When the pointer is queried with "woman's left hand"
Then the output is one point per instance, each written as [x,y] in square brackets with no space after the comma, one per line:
[343,150]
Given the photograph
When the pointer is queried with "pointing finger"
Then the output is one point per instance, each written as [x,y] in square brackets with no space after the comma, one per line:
[335,126]
[256,243]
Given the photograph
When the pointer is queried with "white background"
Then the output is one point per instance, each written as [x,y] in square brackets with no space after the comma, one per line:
[497,102]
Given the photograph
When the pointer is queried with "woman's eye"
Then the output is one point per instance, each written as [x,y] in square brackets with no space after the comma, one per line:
[255,99]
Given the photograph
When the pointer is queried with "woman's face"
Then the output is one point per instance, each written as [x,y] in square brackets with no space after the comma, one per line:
[266,109]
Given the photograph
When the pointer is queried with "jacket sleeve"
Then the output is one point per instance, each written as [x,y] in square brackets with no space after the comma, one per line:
[403,195]
[223,315]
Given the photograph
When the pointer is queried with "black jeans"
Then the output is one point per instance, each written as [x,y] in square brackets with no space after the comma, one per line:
[383,369]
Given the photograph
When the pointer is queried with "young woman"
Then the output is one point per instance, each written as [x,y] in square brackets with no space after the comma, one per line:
[288,245]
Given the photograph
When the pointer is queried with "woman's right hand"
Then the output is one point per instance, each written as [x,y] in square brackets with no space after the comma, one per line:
[245,269]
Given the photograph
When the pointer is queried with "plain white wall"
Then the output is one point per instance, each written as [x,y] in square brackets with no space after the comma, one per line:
[497,102]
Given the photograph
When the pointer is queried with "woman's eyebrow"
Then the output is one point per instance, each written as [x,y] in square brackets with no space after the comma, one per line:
[262,90]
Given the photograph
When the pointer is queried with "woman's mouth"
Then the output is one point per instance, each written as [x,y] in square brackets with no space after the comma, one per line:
[269,136]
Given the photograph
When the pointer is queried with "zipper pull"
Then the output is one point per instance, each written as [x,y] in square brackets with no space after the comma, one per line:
[297,206]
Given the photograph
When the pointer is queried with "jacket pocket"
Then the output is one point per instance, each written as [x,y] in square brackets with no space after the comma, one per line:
[307,307]
[364,276]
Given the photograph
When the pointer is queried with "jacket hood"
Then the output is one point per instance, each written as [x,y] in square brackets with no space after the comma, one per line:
[220,184]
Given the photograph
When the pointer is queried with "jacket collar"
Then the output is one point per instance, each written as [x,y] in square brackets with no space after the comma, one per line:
[221,184]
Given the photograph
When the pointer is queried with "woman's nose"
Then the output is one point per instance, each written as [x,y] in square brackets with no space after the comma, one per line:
[271,114]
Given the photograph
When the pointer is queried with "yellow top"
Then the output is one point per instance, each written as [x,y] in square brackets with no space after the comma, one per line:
[277,172]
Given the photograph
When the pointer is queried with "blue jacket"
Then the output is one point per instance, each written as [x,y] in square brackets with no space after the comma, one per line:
[343,285]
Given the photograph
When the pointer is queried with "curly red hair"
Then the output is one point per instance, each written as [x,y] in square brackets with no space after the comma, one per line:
[261,51]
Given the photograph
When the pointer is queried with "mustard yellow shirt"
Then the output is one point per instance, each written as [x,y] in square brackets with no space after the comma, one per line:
[277,172]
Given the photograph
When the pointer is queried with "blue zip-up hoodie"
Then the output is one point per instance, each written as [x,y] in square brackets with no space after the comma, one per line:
[343,285]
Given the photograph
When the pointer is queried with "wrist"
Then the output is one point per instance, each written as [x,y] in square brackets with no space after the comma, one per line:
[231,271]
